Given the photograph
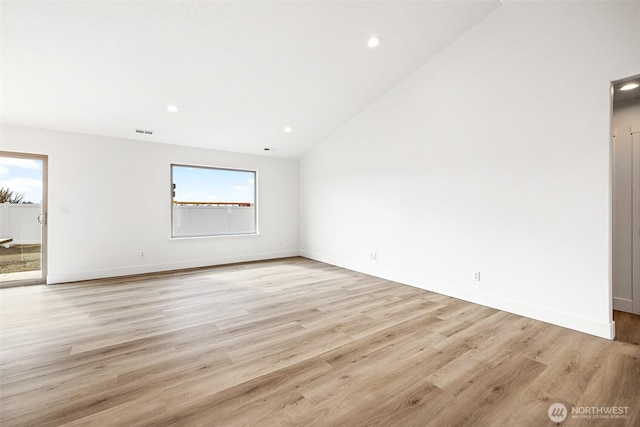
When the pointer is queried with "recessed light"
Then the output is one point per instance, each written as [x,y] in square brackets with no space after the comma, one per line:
[172,108]
[630,86]
[287,129]
[373,41]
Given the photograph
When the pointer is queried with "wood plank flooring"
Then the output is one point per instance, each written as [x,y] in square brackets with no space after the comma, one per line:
[293,342]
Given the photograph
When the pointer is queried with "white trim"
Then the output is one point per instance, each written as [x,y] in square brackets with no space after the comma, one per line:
[559,318]
[157,268]
[612,332]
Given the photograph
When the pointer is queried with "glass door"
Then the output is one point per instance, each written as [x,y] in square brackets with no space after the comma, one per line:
[23,218]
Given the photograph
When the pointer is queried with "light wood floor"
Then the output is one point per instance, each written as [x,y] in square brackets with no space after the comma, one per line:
[292,342]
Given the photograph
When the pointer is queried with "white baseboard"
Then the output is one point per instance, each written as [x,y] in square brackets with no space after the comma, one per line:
[56,278]
[623,304]
[555,317]
[559,318]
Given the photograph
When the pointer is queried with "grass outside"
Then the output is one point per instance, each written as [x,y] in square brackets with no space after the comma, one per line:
[19,258]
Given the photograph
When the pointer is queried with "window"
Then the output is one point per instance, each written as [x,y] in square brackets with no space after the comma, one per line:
[212,201]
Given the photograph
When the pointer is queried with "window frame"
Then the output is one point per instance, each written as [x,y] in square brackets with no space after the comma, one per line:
[173,236]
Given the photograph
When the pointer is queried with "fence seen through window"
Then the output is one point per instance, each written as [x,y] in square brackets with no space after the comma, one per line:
[208,201]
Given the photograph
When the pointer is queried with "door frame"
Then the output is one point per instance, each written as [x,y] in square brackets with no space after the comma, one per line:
[635,221]
[632,306]
[44,210]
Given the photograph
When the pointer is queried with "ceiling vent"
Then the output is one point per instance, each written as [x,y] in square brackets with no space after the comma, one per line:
[144,132]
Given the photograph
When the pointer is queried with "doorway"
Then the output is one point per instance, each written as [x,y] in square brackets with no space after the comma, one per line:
[23,218]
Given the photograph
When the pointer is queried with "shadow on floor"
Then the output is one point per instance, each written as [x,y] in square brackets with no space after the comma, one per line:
[627,327]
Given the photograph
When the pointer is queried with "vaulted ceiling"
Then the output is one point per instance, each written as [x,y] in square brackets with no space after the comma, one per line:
[238,72]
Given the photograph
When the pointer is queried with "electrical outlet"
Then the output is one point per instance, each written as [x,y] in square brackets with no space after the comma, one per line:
[476,276]
[141,254]
[373,256]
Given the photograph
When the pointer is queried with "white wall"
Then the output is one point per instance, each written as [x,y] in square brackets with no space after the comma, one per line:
[93,178]
[494,156]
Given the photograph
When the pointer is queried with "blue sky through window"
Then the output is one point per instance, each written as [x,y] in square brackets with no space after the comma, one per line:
[198,184]
[22,176]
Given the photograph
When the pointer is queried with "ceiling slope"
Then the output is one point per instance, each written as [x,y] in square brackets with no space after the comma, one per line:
[239,72]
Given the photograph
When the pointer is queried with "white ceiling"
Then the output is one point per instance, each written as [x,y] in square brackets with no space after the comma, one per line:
[238,71]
